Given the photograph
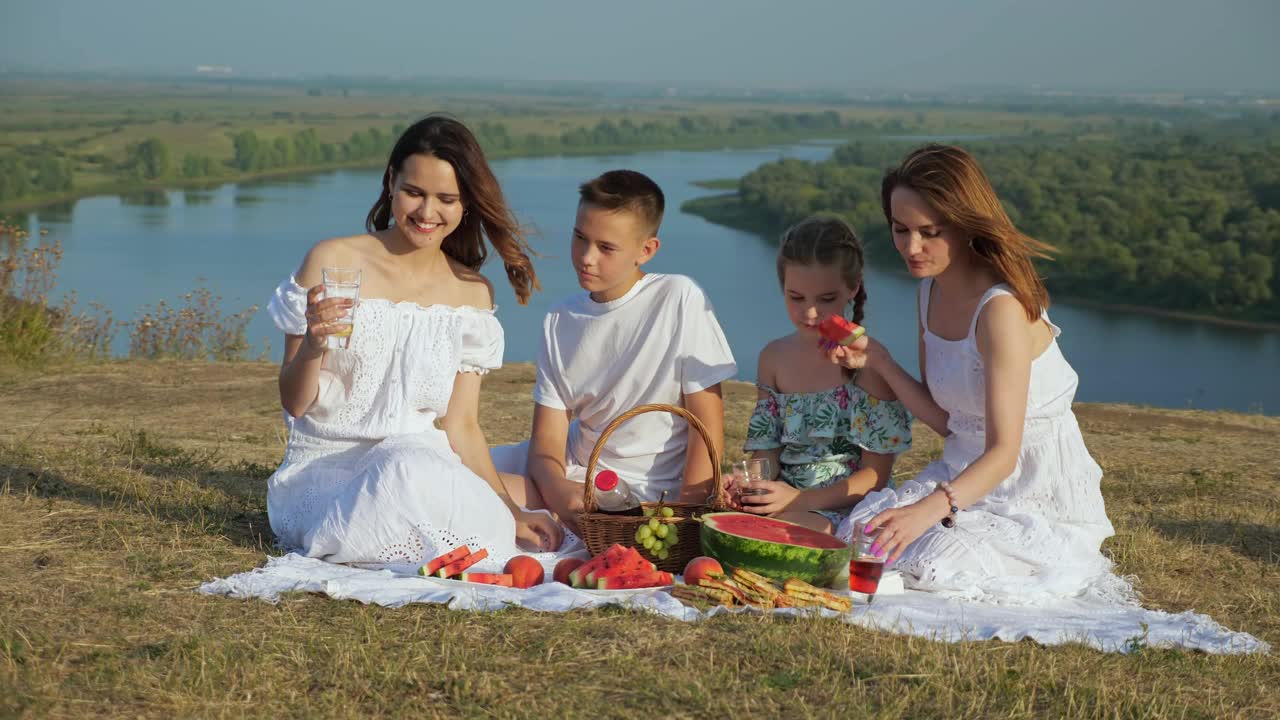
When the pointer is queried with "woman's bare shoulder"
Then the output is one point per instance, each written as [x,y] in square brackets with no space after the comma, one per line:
[474,289]
[347,251]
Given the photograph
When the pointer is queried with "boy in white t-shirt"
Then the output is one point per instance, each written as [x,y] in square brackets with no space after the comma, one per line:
[633,338]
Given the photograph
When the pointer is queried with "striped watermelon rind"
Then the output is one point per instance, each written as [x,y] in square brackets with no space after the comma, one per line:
[812,556]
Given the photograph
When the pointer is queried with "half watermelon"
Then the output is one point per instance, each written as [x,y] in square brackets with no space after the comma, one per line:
[775,548]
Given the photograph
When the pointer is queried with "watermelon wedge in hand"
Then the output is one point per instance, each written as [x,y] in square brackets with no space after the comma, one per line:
[838,332]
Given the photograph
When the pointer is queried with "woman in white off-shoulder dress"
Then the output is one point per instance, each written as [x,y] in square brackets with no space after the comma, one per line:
[386,463]
[1013,511]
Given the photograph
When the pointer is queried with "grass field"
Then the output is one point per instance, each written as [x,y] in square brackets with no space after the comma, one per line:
[125,485]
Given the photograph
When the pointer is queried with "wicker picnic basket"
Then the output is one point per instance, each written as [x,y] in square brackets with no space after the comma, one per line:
[601,530]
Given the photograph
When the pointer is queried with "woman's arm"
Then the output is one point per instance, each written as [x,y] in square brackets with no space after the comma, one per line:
[1006,343]
[1005,340]
[461,424]
[915,395]
[304,354]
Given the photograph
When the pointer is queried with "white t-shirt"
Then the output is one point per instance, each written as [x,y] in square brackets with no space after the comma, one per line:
[655,344]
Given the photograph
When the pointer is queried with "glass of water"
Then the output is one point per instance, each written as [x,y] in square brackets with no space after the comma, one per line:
[341,283]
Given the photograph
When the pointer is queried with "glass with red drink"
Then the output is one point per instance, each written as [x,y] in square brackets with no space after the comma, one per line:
[865,569]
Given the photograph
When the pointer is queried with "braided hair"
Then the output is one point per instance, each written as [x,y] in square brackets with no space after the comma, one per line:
[829,241]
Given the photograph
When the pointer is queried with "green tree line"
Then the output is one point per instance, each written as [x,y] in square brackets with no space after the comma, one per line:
[1189,223]
[44,169]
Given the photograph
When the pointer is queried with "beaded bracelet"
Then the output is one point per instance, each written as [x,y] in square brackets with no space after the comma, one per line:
[950,520]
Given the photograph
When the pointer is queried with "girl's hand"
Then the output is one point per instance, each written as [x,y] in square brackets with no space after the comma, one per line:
[771,496]
[537,531]
[320,316]
[899,527]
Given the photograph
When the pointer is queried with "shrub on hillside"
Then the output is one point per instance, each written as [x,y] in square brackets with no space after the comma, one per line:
[34,332]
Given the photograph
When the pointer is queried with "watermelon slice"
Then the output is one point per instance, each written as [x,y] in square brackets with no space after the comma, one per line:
[452,556]
[579,576]
[840,331]
[644,579]
[628,567]
[503,579]
[775,548]
[457,567]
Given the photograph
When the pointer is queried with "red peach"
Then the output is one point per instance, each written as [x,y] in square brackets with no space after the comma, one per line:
[701,567]
[525,572]
[564,567]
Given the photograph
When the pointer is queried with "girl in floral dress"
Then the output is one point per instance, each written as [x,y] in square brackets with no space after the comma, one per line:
[831,433]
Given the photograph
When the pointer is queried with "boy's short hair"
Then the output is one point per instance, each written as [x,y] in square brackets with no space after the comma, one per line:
[626,190]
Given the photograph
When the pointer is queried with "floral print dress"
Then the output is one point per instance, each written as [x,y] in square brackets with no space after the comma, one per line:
[823,434]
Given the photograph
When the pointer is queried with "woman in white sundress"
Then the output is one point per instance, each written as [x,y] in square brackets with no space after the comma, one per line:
[386,463]
[1013,511]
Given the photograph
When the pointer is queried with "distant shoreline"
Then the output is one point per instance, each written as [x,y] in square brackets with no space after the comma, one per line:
[723,209]
[1260,325]
[178,183]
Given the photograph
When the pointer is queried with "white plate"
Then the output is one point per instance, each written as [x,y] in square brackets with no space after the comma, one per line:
[624,592]
[464,583]
[452,582]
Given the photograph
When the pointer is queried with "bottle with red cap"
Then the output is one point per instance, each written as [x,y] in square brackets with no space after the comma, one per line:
[613,495]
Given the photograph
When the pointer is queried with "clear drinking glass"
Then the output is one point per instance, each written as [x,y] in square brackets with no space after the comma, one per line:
[748,474]
[341,283]
[865,569]
[759,470]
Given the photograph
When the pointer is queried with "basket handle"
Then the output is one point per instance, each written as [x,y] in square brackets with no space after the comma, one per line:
[589,498]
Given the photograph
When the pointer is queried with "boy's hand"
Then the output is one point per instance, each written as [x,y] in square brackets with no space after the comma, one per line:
[565,500]
[538,532]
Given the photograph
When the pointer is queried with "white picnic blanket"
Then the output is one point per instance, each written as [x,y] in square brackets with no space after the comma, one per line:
[1106,627]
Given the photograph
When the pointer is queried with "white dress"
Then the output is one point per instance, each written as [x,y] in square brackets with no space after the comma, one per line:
[367,477]
[1036,537]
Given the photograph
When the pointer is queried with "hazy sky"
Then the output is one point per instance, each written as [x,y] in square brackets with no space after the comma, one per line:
[849,44]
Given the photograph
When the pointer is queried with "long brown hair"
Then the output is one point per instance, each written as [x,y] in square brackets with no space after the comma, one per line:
[826,240]
[487,213]
[952,182]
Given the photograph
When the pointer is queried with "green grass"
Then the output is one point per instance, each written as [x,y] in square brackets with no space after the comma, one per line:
[125,485]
